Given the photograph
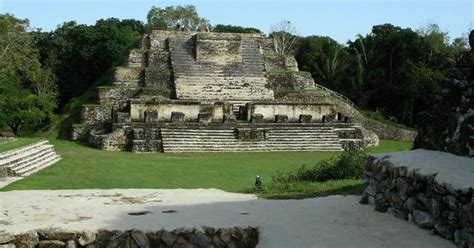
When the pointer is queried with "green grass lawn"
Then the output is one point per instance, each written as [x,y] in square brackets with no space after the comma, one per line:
[87,168]
[18,143]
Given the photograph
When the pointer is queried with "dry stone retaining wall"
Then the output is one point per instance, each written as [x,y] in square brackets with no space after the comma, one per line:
[181,237]
[420,198]
[385,131]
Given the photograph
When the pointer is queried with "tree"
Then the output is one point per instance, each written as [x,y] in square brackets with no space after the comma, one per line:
[284,38]
[220,28]
[27,90]
[21,108]
[172,16]
[18,59]
[397,70]
[78,55]
[323,57]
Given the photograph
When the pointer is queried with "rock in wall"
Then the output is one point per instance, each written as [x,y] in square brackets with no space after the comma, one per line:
[417,195]
[181,237]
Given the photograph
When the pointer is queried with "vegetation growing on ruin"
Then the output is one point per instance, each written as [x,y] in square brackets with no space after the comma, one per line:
[381,118]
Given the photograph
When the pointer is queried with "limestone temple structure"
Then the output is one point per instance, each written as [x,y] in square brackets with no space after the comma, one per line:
[196,91]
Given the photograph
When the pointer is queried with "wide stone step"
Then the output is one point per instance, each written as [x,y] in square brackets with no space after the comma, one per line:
[26,155]
[210,73]
[26,160]
[191,130]
[45,163]
[236,141]
[211,78]
[299,136]
[269,137]
[218,75]
[280,149]
[299,128]
[197,133]
[8,154]
[33,163]
[30,159]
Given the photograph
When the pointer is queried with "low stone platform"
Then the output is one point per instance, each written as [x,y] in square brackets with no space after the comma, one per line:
[432,189]
[334,221]
[26,160]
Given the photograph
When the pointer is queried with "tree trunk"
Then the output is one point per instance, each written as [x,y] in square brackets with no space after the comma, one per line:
[14,129]
[391,65]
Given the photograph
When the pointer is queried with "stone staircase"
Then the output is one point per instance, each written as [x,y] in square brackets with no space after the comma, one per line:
[26,160]
[285,138]
[213,82]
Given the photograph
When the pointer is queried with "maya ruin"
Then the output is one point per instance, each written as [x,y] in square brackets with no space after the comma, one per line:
[175,131]
[199,91]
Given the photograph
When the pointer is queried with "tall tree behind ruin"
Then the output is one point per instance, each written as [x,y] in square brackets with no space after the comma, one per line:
[284,38]
[172,16]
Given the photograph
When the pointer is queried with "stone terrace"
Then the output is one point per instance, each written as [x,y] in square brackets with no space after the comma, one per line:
[432,189]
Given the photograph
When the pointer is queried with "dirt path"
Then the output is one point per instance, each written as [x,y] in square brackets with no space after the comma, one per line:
[335,221]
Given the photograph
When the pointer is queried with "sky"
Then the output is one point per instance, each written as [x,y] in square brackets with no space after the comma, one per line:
[340,19]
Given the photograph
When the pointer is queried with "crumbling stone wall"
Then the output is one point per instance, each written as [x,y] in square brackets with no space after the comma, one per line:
[291,110]
[93,114]
[137,58]
[181,237]
[449,125]
[218,48]
[419,198]
[385,131]
[128,76]
[376,129]
[163,109]
[116,95]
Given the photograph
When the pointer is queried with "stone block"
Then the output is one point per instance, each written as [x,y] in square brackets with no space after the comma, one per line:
[330,117]
[204,117]
[91,114]
[113,95]
[218,49]
[128,76]
[27,240]
[122,117]
[115,141]
[80,132]
[146,134]
[290,63]
[150,116]
[136,58]
[158,77]
[252,134]
[177,117]
[257,118]
[206,108]
[229,118]
[281,118]
[305,118]
[258,134]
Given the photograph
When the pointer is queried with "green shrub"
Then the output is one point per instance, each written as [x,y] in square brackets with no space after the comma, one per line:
[348,165]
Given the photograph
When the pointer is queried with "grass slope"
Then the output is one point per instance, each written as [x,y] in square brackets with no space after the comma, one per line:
[18,143]
[86,168]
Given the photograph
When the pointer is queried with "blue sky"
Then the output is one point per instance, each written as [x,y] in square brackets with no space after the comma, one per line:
[339,19]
